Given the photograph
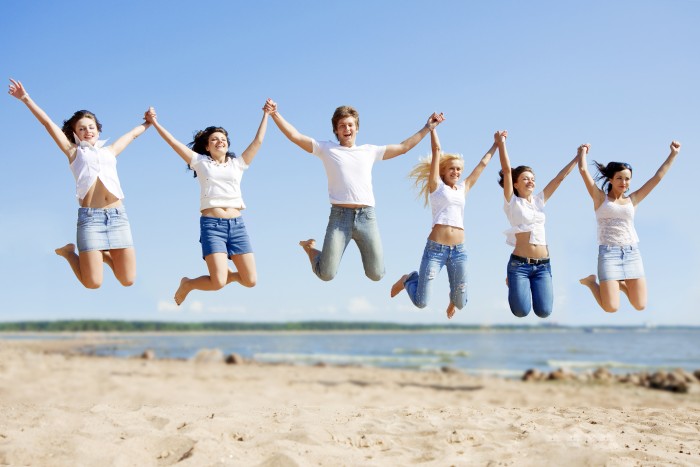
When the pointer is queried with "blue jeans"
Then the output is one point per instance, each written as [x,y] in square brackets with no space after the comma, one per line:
[435,256]
[529,283]
[345,224]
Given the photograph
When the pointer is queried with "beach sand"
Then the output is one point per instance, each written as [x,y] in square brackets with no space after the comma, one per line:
[62,409]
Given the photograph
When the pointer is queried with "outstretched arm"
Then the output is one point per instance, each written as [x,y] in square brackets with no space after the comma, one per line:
[393,150]
[476,173]
[125,140]
[645,189]
[182,150]
[556,181]
[596,193]
[253,147]
[292,134]
[500,139]
[18,91]
[436,151]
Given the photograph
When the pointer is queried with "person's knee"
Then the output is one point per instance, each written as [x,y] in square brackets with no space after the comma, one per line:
[639,306]
[217,282]
[91,283]
[128,282]
[610,308]
[375,275]
[543,313]
[250,281]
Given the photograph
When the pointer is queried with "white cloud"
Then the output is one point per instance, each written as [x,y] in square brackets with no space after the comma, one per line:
[360,305]
[226,309]
[168,306]
[196,307]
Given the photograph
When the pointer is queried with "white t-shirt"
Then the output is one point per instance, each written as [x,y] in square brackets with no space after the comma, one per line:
[220,183]
[349,171]
[91,163]
[525,217]
[448,204]
[616,224]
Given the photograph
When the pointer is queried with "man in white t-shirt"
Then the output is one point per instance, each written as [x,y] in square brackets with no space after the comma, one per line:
[349,171]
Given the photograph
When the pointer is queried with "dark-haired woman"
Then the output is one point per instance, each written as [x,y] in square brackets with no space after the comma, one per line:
[529,271]
[620,265]
[103,233]
[222,232]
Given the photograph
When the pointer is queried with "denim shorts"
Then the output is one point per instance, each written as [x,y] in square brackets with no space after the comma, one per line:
[223,236]
[103,229]
[617,263]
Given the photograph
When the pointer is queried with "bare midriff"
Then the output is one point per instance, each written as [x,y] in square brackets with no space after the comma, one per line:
[221,213]
[524,248]
[99,197]
[446,235]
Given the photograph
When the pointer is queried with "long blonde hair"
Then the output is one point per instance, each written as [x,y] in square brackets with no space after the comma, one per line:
[421,172]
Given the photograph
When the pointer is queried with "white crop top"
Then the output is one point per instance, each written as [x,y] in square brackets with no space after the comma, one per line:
[349,171]
[91,163]
[448,205]
[616,224]
[525,217]
[220,184]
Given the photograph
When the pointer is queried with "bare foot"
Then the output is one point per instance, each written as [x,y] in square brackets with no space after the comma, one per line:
[398,286]
[451,310]
[308,245]
[66,250]
[107,259]
[182,291]
[588,281]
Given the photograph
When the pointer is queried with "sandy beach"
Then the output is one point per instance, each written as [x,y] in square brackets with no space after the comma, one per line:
[58,408]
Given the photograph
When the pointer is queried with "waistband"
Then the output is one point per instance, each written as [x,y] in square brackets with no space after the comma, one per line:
[618,247]
[435,246]
[93,211]
[222,220]
[335,207]
[522,259]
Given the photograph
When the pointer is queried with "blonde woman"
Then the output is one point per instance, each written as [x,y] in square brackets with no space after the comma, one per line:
[438,179]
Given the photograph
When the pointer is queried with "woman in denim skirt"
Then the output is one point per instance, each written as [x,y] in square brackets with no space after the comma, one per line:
[620,265]
[222,231]
[103,231]
[438,179]
[529,277]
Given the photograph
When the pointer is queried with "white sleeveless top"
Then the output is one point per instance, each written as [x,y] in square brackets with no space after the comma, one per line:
[448,204]
[91,163]
[616,224]
[525,217]
[220,184]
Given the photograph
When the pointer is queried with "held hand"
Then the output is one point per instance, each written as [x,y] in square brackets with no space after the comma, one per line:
[584,148]
[150,115]
[434,120]
[500,136]
[675,147]
[270,106]
[17,90]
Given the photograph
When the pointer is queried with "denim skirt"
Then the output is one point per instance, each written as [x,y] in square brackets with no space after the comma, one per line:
[617,263]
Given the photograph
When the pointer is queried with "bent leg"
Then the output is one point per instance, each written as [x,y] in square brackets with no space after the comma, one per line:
[610,295]
[637,292]
[246,273]
[87,266]
[217,263]
[369,242]
[338,234]
[457,275]
[542,291]
[519,297]
[124,265]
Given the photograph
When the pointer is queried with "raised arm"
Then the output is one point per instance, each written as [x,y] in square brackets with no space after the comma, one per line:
[181,149]
[292,134]
[596,193]
[393,150]
[18,91]
[120,144]
[436,151]
[645,189]
[556,181]
[253,147]
[476,173]
[500,139]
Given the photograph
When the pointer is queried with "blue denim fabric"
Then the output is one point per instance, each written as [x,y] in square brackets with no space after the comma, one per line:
[345,224]
[530,283]
[418,284]
[617,263]
[103,229]
[219,235]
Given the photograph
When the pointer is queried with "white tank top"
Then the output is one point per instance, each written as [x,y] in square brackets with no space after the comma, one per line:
[616,224]
[448,205]
[91,163]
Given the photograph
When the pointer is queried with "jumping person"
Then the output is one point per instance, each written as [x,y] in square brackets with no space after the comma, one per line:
[438,179]
[349,171]
[222,232]
[620,265]
[529,270]
[103,231]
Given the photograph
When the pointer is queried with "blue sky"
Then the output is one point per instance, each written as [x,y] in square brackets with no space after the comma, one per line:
[620,75]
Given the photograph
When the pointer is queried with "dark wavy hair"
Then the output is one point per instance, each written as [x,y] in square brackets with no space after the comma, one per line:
[200,142]
[515,173]
[607,172]
[342,112]
[68,127]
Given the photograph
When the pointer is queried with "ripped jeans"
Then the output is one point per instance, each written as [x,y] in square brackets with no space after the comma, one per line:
[435,256]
